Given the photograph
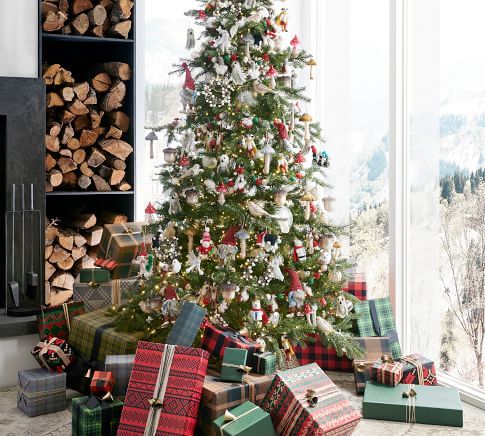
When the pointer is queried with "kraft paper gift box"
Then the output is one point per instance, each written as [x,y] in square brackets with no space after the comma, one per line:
[245,420]
[40,392]
[304,401]
[234,365]
[122,243]
[386,371]
[164,391]
[121,367]
[187,325]
[436,405]
[94,417]
[264,363]
[418,370]
[56,320]
[99,295]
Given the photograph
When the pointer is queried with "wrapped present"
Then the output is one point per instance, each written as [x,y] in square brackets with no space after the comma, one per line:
[94,275]
[374,348]
[102,383]
[375,318]
[106,264]
[56,321]
[53,354]
[436,405]
[94,417]
[215,340]
[386,371]
[245,420]
[97,295]
[264,363]
[419,370]
[187,325]
[122,243]
[357,286]
[164,391]
[121,367]
[218,396]
[40,392]
[304,401]
[234,365]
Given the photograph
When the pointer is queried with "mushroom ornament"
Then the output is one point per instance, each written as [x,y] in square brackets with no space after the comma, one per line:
[268,152]
[306,119]
[307,199]
[312,64]
[243,236]
[152,136]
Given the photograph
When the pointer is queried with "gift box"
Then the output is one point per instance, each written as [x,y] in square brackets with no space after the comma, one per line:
[245,420]
[218,396]
[374,349]
[375,318]
[53,354]
[187,325]
[40,392]
[264,363]
[94,275]
[419,370]
[102,383]
[95,337]
[94,417]
[56,321]
[357,286]
[99,295]
[215,340]
[386,371]
[234,365]
[304,401]
[122,243]
[436,405]
[286,359]
[121,367]
[164,391]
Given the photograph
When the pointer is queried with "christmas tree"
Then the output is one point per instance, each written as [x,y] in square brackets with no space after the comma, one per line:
[245,230]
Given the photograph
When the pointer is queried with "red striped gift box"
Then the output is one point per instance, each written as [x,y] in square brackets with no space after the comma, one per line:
[386,371]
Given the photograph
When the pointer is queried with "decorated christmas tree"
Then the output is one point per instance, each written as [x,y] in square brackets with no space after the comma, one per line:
[245,230]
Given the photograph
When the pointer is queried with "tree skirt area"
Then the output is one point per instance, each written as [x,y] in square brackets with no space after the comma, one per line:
[14,423]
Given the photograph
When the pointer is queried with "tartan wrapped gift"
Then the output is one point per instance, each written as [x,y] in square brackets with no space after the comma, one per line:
[418,370]
[374,349]
[40,392]
[386,371]
[357,286]
[56,320]
[164,391]
[122,242]
[97,295]
[245,420]
[304,401]
[215,340]
[187,325]
[121,367]
[218,396]
[53,354]
[264,363]
[234,365]
[375,318]
[98,275]
[94,417]
[102,383]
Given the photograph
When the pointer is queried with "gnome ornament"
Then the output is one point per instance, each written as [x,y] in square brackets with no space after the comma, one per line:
[170,304]
[206,244]
[144,262]
[299,251]
[188,91]
[257,314]
[296,294]
[150,213]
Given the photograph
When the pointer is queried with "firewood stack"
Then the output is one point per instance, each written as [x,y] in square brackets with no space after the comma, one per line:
[88,17]
[84,142]
[69,247]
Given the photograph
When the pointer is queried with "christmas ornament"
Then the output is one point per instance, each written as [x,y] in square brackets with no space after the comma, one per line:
[295,42]
[243,236]
[223,42]
[240,182]
[336,250]
[224,164]
[190,44]
[209,162]
[220,66]
[296,295]
[256,209]
[343,307]
[193,263]
[188,143]
[324,260]
[170,155]
[190,233]
[221,190]
[284,136]
[206,244]
[237,74]
[274,318]
[144,262]
[299,252]
[275,267]
[282,164]
[228,292]
[271,74]
[310,311]
[192,196]
[335,276]
[279,197]
[260,88]
[170,307]
[284,218]
[150,213]
[282,19]
[324,326]
[268,152]
[257,314]
[250,145]
[268,242]
[152,136]
[253,71]
[312,64]
[174,204]
[188,91]
[307,199]
[306,119]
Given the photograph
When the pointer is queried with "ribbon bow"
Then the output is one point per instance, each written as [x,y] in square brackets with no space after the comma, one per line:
[361,367]
[229,418]
[386,358]
[312,398]
[128,230]
[93,284]
[155,403]
[411,395]
[240,368]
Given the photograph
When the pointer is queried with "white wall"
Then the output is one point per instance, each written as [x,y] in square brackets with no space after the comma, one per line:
[19,24]
[16,356]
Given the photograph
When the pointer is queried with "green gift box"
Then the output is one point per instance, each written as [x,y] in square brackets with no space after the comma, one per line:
[436,405]
[234,365]
[264,363]
[245,420]
[94,275]
[93,417]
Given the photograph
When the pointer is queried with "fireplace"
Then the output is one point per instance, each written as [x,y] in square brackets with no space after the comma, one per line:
[22,119]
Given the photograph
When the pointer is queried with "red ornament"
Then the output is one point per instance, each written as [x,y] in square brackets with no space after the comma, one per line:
[317,275]
[230,236]
[295,42]
[231,183]
[184,161]
[189,81]
[202,15]
[266,57]
[314,149]
[299,158]
[271,72]
[299,176]
[240,169]
[234,57]
[259,182]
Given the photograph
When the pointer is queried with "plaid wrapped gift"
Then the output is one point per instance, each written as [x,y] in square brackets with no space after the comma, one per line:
[215,340]
[95,275]
[95,337]
[94,417]
[97,296]
[374,349]
[264,363]
[304,401]
[234,365]
[40,392]
[357,286]
[53,354]
[418,370]
[121,367]
[102,383]
[164,391]
[375,318]
[218,396]
[187,325]
[122,242]
[386,371]
[56,320]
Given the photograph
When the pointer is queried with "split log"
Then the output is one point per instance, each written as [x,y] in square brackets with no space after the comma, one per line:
[107,4]
[96,158]
[63,76]
[70,179]
[79,156]
[121,29]
[95,118]
[73,144]
[50,72]
[52,143]
[67,116]
[114,133]
[77,107]
[85,170]
[120,70]
[124,186]
[66,240]
[48,187]
[82,122]
[101,82]
[114,97]
[81,90]
[79,6]
[67,30]
[106,217]
[67,93]
[48,251]
[53,99]
[83,221]
[80,24]
[97,31]
[58,296]
[92,98]
[93,236]
[97,16]
[117,148]
[67,134]
[115,163]
[54,177]
[101,131]
[79,240]
[87,138]
[119,119]
[121,10]
[64,6]
[54,21]
[63,280]
[49,270]
[47,7]
[58,254]
[78,253]
[66,153]
[101,184]
[84,182]
[65,265]
[51,233]
[54,128]
[114,177]
[66,164]
[50,162]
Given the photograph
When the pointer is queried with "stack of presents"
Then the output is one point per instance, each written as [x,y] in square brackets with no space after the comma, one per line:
[133,387]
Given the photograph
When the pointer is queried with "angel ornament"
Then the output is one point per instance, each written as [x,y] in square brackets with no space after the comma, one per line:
[190,44]
[253,71]
[193,264]
[223,42]
[237,74]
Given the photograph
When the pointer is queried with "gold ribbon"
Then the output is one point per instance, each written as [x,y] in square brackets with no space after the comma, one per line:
[65,308]
[241,368]
[419,368]
[116,292]
[386,358]
[230,418]
[410,394]
[45,347]
[35,396]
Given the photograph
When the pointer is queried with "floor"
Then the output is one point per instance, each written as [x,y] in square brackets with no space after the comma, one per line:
[14,423]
